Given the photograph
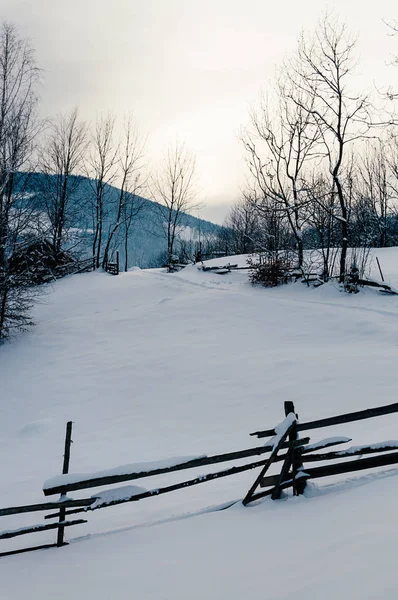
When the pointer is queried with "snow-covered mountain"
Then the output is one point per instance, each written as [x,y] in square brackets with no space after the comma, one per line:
[146,242]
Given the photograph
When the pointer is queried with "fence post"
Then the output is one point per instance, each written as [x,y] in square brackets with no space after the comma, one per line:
[298,486]
[381,272]
[117,262]
[65,469]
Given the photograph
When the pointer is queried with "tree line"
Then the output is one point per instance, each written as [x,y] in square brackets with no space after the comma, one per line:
[322,159]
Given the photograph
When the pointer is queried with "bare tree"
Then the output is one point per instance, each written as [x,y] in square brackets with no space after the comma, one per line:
[375,188]
[174,191]
[62,158]
[133,205]
[321,209]
[280,143]
[242,224]
[320,78]
[129,203]
[102,170]
[18,129]
[391,204]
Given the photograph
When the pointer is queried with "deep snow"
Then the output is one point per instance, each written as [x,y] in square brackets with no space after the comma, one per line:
[150,365]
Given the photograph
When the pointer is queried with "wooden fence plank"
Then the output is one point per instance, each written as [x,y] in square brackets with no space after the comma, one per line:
[283,475]
[353,465]
[191,464]
[277,447]
[363,450]
[30,549]
[326,443]
[37,528]
[43,506]
[289,455]
[269,480]
[368,413]
[74,511]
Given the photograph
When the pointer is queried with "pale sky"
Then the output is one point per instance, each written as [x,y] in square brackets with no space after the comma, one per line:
[187,69]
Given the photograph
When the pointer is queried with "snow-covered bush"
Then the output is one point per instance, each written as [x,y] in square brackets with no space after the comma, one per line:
[271,270]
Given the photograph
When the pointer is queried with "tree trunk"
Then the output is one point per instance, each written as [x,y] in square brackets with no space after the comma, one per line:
[99,242]
[95,246]
[126,250]
[3,296]
[344,231]
[300,251]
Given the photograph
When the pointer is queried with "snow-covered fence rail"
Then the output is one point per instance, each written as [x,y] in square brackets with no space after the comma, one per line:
[36,528]
[43,506]
[76,482]
[368,413]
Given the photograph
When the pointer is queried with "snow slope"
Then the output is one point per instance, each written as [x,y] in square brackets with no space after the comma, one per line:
[152,366]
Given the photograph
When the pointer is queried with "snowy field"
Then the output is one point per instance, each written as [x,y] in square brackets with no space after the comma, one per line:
[150,366]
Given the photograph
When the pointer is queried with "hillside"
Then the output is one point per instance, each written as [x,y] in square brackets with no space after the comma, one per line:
[150,365]
[147,240]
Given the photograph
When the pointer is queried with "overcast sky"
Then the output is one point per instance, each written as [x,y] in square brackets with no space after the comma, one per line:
[187,69]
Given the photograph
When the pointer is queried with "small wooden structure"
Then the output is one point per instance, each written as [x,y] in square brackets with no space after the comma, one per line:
[113,267]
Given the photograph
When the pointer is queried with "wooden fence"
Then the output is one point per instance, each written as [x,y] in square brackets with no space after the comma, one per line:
[285,446]
[86,265]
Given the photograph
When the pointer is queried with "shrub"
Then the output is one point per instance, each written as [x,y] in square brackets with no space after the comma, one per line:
[270,271]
